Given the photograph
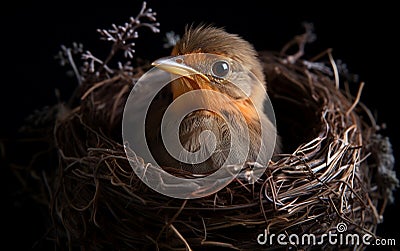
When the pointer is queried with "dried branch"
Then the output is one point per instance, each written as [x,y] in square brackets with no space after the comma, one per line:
[65,57]
[301,40]
[122,36]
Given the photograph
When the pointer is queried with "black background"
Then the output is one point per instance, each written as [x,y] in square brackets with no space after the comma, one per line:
[363,36]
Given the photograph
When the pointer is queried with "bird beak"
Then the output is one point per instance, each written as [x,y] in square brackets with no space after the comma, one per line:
[176,65]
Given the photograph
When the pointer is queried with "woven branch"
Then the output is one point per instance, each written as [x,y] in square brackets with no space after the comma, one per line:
[323,181]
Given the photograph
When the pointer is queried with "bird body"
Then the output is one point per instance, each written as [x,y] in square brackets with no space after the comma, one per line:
[226,80]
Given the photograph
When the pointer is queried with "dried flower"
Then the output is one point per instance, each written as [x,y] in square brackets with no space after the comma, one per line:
[171,39]
[121,36]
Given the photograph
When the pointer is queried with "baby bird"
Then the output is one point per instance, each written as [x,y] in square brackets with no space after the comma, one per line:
[227,80]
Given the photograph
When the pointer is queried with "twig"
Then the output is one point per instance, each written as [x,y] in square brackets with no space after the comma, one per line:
[65,51]
[334,67]
[301,40]
[122,35]
[99,84]
[356,100]
[181,237]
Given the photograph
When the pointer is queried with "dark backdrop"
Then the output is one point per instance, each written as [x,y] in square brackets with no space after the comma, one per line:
[363,36]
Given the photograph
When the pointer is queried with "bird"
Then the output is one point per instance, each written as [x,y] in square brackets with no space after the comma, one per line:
[225,71]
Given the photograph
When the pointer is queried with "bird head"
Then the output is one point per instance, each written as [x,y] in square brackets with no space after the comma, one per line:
[212,59]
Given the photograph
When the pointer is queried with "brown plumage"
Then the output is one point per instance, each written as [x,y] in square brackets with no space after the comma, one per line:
[208,53]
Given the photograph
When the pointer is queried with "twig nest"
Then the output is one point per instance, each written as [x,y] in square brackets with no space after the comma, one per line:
[335,173]
[328,174]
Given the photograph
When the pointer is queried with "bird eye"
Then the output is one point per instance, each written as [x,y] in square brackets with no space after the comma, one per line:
[220,69]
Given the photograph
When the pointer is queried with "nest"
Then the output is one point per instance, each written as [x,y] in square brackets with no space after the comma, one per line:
[336,168]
